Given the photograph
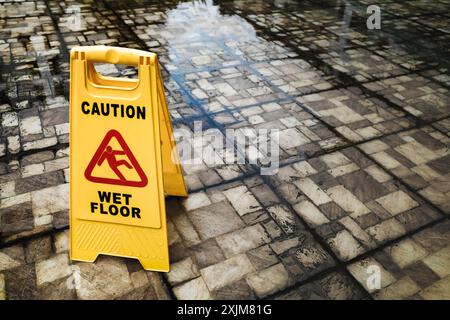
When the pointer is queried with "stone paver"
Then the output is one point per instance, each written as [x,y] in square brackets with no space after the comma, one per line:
[40,269]
[34,194]
[416,267]
[362,64]
[37,126]
[205,157]
[32,84]
[300,134]
[351,202]
[335,286]
[363,137]
[420,158]
[229,88]
[257,50]
[294,76]
[409,58]
[439,74]
[236,236]
[443,126]
[416,95]
[354,115]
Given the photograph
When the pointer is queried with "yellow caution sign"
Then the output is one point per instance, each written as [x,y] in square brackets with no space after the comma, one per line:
[121,159]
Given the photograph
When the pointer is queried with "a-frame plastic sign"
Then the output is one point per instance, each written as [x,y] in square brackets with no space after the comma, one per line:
[123,159]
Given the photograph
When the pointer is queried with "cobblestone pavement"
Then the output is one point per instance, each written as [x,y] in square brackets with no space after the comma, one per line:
[363,116]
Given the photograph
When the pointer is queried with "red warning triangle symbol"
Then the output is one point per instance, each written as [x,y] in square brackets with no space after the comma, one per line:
[107,156]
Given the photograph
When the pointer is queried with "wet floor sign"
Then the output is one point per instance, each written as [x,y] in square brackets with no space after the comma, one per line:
[122,159]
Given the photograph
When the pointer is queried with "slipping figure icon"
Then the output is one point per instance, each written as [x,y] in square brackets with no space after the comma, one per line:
[122,156]
[110,155]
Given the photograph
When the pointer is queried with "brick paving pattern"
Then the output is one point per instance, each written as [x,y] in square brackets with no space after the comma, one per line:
[363,120]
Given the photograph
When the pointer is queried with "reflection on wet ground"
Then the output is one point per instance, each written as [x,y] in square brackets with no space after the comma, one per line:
[364,136]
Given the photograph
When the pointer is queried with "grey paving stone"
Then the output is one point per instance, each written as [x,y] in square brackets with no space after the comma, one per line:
[233,249]
[294,76]
[356,116]
[238,290]
[205,158]
[299,134]
[421,161]
[207,253]
[335,286]
[415,94]
[413,267]
[352,217]
[34,194]
[240,65]
[362,64]
[228,88]
[258,49]
[47,273]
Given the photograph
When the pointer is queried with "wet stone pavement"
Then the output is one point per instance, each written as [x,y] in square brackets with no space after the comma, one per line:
[363,120]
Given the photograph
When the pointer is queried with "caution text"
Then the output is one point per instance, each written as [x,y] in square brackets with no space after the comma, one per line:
[113,109]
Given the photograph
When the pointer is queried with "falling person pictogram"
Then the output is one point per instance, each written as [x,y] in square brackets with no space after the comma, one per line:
[110,155]
[106,152]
